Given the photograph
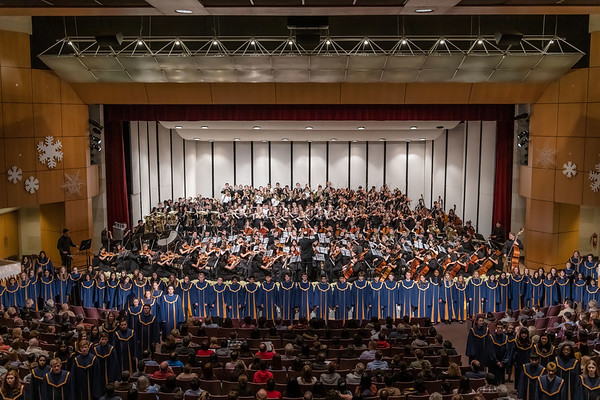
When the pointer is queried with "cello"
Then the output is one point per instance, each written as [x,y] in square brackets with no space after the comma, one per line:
[516,253]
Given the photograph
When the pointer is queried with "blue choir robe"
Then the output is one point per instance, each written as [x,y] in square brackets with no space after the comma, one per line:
[591,293]
[157,295]
[123,295]
[578,290]
[576,264]
[520,355]
[563,287]
[153,305]
[161,284]
[47,288]
[146,332]
[490,296]
[125,347]
[57,386]
[361,300]
[407,295]
[569,272]
[435,307]
[568,370]
[534,292]
[515,291]
[447,297]
[11,296]
[342,300]
[590,268]
[267,296]
[38,375]
[62,289]
[498,353]
[390,299]
[100,294]
[550,293]
[202,297]
[503,291]
[546,355]
[529,383]
[323,300]
[110,331]
[74,279]
[132,314]
[33,291]
[304,298]
[478,344]
[186,291]
[22,293]
[252,298]
[377,299]
[588,388]
[423,300]
[44,264]
[108,363]
[85,379]
[111,294]
[550,389]
[235,301]
[2,289]
[171,311]
[475,295]
[286,299]
[139,288]
[87,293]
[219,300]
[460,301]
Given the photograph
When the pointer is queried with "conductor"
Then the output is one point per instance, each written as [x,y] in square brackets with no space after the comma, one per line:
[64,247]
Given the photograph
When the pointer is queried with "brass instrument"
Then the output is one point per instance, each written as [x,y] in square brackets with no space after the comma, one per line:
[149,224]
[172,218]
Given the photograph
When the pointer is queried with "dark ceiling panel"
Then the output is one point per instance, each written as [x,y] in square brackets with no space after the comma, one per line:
[73,3]
[278,3]
[540,3]
[225,3]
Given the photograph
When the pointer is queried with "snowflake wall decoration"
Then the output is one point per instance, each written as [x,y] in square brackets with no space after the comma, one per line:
[50,151]
[569,169]
[546,157]
[595,178]
[73,184]
[32,184]
[14,174]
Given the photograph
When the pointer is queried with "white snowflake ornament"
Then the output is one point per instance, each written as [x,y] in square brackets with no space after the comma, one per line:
[595,178]
[546,157]
[14,174]
[50,151]
[569,169]
[32,184]
[73,184]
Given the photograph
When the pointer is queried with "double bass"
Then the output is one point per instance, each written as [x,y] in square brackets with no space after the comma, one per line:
[516,254]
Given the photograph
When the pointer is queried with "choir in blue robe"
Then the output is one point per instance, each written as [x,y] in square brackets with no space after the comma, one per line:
[23,295]
[342,300]
[475,296]
[391,296]
[361,299]
[85,380]
[219,300]
[377,299]
[286,299]
[45,264]
[460,301]
[185,291]
[563,286]
[139,288]
[253,294]
[171,311]
[132,313]
[578,290]
[588,388]
[202,297]
[74,279]
[591,293]
[267,296]
[108,363]
[304,298]
[590,268]
[33,290]
[423,300]
[550,389]
[435,307]
[38,375]
[407,295]
[124,342]
[528,384]
[498,353]
[62,289]
[516,288]
[57,386]
[447,304]
[550,293]
[568,369]
[47,288]
[111,294]
[235,301]
[576,264]
[146,333]
[520,353]
[11,297]
[477,344]
[323,300]
[535,291]
[123,294]
[100,294]
[87,293]
[503,294]
[491,296]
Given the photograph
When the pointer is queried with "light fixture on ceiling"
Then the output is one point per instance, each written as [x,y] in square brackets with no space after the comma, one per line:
[382,139]
[403,41]
[361,128]
[366,41]
[70,43]
[333,139]
[422,139]
[290,42]
[215,42]
[328,42]
[178,127]
[183,11]
[256,127]
[285,139]
[196,138]
[236,139]
[264,140]
[204,127]
[442,41]
[354,141]
[252,42]
[211,140]
[412,128]
[423,10]
[480,41]
[309,140]
[308,128]
[140,42]
[407,140]
[177,42]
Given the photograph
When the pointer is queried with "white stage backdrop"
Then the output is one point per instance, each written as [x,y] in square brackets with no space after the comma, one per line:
[459,166]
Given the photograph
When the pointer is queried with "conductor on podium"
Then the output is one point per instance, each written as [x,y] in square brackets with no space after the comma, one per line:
[64,246]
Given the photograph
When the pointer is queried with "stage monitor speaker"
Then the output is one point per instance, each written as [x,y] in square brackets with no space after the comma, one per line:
[119,231]
[508,38]
[110,40]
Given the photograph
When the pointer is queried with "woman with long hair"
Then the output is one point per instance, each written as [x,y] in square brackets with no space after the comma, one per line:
[568,369]
[589,382]
[521,352]
[11,388]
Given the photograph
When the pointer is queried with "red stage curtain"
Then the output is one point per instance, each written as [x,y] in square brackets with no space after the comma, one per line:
[116,115]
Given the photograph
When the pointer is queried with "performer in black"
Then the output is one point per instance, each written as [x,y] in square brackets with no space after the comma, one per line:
[64,247]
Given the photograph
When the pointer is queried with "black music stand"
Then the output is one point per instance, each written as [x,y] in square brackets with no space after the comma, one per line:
[86,245]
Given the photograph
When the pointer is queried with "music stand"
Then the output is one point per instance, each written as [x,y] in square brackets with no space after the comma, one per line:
[86,245]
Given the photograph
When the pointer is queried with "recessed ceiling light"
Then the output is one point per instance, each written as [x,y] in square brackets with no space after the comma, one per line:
[333,139]
[177,43]
[264,140]
[140,42]
[361,128]
[178,127]
[290,42]
[480,41]
[252,42]
[196,138]
[422,138]
[236,139]
[328,42]
[285,139]
[413,127]
[551,41]
[308,128]
[256,127]
[215,42]
[70,43]
[204,127]
[403,41]
[309,141]
[407,140]
[423,10]
[382,139]
[183,11]
[211,140]
[366,41]
[354,141]
[442,41]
